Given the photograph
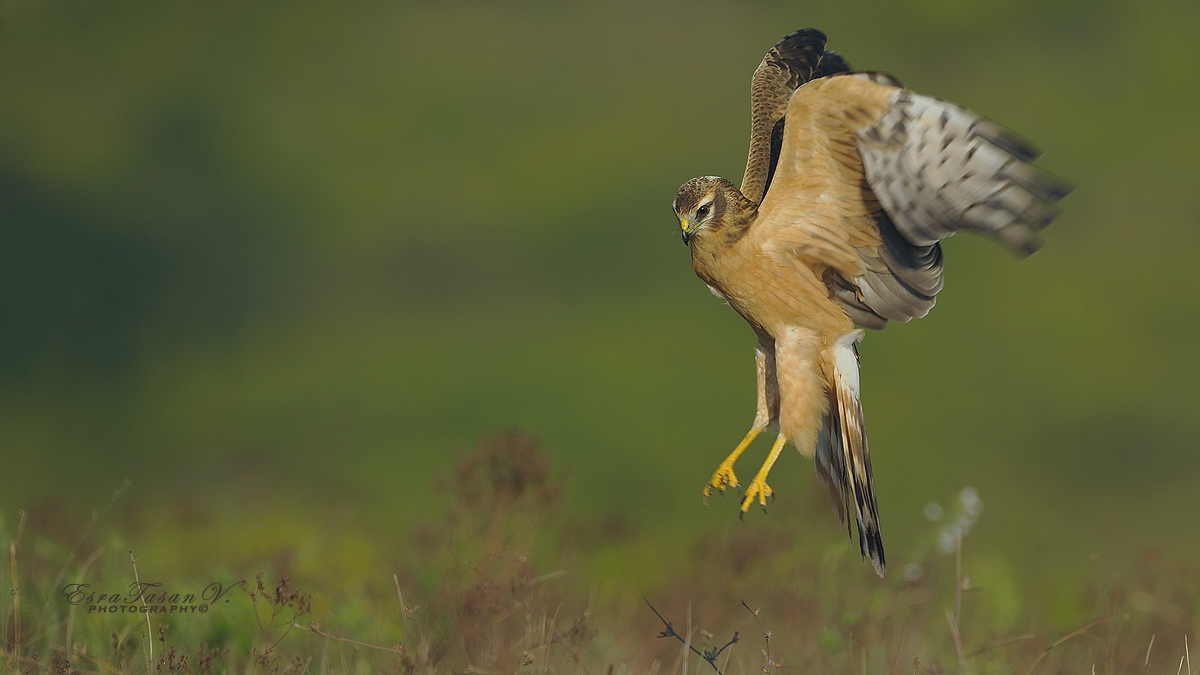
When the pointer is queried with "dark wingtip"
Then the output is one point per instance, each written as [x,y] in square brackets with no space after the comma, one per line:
[803,44]
[1008,141]
[801,37]
[1055,188]
[801,51]
[1045,186]
[1016,146]
[831,63]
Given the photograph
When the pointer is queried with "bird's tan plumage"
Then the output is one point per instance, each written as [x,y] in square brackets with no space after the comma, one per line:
[848,189]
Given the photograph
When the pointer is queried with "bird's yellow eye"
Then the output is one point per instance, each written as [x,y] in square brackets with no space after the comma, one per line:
[702,211]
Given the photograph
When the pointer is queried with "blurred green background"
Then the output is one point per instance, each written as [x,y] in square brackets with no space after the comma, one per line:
[302,252]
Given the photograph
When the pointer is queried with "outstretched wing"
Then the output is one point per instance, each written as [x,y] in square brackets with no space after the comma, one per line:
[797,58]
[871,176]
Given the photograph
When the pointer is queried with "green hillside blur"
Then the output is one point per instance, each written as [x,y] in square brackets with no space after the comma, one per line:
[332,243]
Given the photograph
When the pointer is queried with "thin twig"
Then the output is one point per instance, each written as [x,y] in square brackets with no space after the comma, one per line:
[1068,636]
[314,628]
[955,631]
[149,639]
[79,580]
[285,633]
[1187,653]
[766,637]
[687,644]
[15,589]
[1146,664]
[958,648]
[709,655]
[958,587]
[1000,643]
[403,610]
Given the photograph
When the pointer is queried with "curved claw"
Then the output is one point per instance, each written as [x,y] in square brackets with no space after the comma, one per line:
[757,488]
[723,478]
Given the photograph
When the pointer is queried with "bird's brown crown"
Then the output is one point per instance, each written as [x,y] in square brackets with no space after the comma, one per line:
[692,192]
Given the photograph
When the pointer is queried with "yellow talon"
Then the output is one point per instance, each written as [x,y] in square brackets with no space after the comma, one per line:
[724,477]
[758,487]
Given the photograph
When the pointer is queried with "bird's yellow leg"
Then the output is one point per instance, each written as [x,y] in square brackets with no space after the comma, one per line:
[758,487]
[724,477]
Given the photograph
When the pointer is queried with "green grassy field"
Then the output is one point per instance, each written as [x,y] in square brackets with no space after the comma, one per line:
[503,582]
[278,266]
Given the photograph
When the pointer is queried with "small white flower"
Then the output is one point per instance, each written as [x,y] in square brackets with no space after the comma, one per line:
[913,571]
[953,532]
[933,512]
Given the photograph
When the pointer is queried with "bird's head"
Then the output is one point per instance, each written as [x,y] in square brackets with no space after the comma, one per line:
[704,204]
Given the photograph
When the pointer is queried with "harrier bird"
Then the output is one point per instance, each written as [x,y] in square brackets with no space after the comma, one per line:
[851,182]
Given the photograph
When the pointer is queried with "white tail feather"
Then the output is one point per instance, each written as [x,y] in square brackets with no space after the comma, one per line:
[843,458]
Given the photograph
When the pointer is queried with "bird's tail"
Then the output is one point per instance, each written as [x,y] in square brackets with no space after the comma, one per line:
[843,460]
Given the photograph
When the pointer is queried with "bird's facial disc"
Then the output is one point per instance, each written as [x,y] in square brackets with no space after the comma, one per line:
[697,205]
[693,220]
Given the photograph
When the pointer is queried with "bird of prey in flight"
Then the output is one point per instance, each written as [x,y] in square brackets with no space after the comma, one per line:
[851,182]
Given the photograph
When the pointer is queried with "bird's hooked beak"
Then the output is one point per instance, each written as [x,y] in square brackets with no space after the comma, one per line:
[688,230]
